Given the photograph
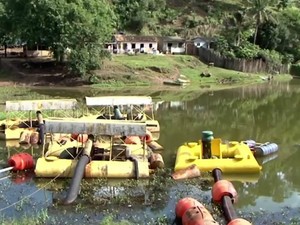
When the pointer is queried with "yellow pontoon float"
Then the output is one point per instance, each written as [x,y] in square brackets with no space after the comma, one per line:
[115,149]
[210,153]
[15,124]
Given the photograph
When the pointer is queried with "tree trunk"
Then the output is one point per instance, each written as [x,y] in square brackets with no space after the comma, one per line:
[256,29]
[255,34]
[5,50]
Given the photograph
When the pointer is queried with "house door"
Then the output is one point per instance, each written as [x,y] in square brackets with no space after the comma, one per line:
[125,47]
[169,50]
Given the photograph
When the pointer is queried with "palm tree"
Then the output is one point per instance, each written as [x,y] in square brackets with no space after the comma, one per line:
[235,24]
[261,11]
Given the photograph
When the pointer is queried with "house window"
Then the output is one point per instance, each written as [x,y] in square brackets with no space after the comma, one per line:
[125,46]
[133,45]
[150,45]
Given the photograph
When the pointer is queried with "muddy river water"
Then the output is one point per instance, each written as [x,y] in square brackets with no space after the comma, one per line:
[265,113]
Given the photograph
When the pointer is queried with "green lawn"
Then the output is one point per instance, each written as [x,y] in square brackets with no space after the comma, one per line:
[189,66]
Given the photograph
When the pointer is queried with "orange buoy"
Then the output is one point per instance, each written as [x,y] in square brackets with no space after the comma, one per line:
[184,204]
[74,136]
[198,215]
[148,137]
[135,140]
[82,138]
[239,221]
[223,188]
[21,161]
[34,138]
[190,172]
[156,161]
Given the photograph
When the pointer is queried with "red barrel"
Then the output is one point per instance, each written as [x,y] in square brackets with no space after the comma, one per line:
[21,161]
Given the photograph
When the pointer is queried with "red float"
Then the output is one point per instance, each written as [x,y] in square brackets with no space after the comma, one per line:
[21,161]
[198,215]
[74,136]
[184,204]
[239,221]
[223,188]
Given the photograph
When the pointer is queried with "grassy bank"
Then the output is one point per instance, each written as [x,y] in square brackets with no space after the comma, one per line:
[146,70]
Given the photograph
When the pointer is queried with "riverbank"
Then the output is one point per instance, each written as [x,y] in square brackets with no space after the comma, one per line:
[124,70]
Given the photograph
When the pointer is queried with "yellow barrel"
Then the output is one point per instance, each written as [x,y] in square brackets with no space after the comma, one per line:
[53,166]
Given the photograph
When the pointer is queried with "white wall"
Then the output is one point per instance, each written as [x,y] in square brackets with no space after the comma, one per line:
[147,47]
[174,48]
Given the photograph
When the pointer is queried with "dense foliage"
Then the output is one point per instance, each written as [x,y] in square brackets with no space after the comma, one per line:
[268,29]
[82,26]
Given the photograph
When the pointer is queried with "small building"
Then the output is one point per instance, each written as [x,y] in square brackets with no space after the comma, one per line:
[202,42]
[173,45]
[122,43]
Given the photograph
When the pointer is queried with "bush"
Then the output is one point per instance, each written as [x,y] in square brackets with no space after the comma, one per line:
[270,56]
[295,69]
[246,51]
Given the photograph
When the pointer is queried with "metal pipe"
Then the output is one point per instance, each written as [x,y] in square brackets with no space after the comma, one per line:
[6,169]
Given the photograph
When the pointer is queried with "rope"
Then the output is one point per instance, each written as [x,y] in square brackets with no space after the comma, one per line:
[3,178]
[28,196]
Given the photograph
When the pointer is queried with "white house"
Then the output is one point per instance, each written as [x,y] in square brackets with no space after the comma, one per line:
[122,43]
[201,42]
[173,45]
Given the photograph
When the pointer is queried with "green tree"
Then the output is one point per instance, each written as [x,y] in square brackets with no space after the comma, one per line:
[289,32]
[135,15]
[268,35]
[235,26]
[261,11]
[83,26]
[7,37]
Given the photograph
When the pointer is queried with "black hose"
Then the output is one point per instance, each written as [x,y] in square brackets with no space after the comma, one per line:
[136,167]
[227,206]
[228,209]
[76,179]
[217,174]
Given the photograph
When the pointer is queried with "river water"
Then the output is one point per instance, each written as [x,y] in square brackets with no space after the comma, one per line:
[266,113]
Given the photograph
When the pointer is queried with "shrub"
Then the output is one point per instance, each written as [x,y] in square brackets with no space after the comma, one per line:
[295,69]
